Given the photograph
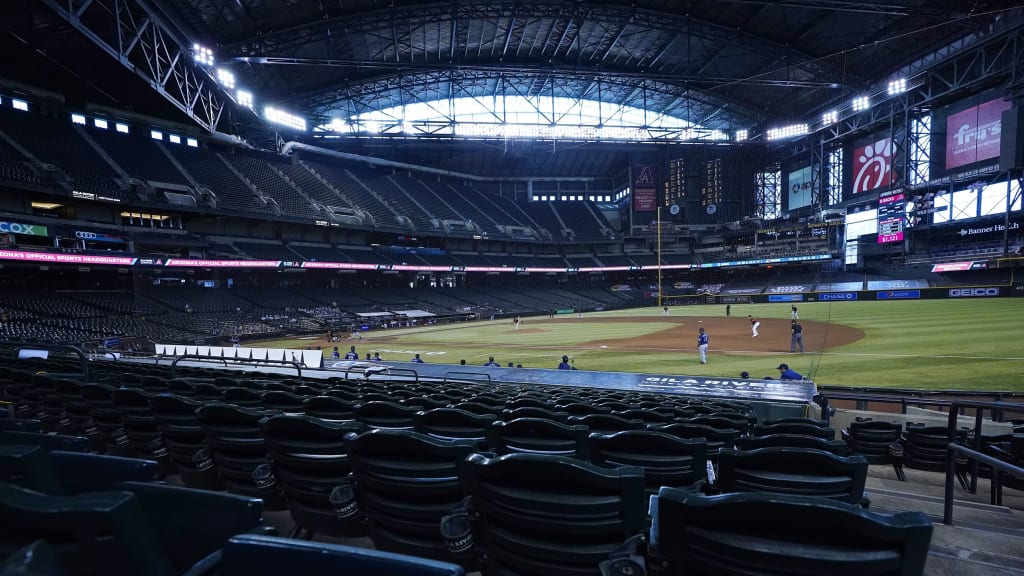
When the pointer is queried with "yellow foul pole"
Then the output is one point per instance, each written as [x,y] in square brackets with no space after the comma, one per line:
[659,256]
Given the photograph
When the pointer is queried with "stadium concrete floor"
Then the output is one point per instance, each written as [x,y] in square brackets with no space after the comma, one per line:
[984,540]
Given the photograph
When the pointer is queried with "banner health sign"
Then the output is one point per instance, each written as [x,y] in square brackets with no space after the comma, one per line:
[973,134]
[800,188]
[27,229]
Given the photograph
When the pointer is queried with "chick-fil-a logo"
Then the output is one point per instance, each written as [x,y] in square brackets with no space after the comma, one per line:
[872,166]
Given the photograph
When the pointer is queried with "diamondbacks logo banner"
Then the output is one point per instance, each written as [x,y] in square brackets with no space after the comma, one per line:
[645,187]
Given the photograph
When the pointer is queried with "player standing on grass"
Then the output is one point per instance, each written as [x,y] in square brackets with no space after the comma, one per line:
[754,324]
[794,314]
[664,310]
[702,345]
[516,322]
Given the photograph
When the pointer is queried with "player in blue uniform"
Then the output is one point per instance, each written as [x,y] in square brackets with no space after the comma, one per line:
[351,354]
[787,374]
[417,360]
[702,345]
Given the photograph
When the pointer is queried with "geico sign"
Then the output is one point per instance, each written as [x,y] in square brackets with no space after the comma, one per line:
[16,228]
[973,292]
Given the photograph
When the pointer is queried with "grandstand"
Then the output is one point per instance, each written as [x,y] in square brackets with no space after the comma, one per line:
[201,199]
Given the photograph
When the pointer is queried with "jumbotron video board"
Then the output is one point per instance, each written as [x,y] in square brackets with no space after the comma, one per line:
[891,215]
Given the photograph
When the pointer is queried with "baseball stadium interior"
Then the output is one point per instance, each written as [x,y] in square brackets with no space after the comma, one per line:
[205,203]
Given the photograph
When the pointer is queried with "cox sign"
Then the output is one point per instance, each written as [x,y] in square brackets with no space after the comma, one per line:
[28,229]
[973,292]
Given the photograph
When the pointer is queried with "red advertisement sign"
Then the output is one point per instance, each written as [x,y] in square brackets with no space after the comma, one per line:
[952,267]
[973,134]
[872,166]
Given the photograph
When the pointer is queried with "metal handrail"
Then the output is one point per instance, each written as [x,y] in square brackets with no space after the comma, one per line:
[823,401]
[974,454]
[19,346]
[400,371]
[447,374]
[249,361]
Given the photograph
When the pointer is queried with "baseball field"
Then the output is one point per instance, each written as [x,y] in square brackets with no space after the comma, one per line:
[929,344]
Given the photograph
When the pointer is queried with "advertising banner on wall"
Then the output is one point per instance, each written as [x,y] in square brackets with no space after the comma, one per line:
[800,189]
[872,165]
[26,229]
[973,135]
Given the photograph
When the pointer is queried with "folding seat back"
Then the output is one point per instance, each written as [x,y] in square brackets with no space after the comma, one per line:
[76,411]
[47,442]
[745,534]
[551,515]
[329,408]
[194,525]
[926,447]
[837,447]
[614,405]
[141,426]
[795,428]
[478,408]
[239,452]
[422,403]
[527,402]
[539,436]
[286,402]
[576,408]
[740,425]
[106,420]
[405,482]
[249,555]
[312,467]
[28,467]
[385,415]
[243,397]
[796,471]
[379,397]
[349,396]
[717,438]
[665,459]
[544,413]
[808,421]
[95,533]
[606,423]
[646,416]
[454,424]
[185,441]
[872,438]
[206,392]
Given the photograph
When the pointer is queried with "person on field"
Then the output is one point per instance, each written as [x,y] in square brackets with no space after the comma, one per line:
[417,360]
[754,325]
[335,354]
[798,337]
[565,364]
[491,363]
[702,345]
[728,310]
[794,314]
[351,354]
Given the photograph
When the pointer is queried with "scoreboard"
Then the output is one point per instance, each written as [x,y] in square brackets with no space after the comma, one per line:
[891,208]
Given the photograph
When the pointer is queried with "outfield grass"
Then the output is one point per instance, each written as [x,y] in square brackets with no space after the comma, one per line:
[932,344]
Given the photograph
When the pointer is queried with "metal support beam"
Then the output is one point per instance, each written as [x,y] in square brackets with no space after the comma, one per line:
[144,43]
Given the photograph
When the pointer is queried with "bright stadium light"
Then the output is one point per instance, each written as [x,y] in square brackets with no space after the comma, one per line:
[742,135]
[78,119]
[283,118]
[898,86]
[192,142]
[339,125]
[861,103]
[19,105]
[830,117]
[226,78]
[100,123]
[786,132]
[121,128]
[202,55]
[244,98]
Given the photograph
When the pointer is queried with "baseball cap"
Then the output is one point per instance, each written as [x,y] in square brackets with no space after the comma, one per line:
[783,366]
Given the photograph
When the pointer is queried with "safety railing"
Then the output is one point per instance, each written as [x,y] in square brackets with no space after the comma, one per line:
[823,400]
[476,375]
[974,453]
[297,365]
[82,357]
